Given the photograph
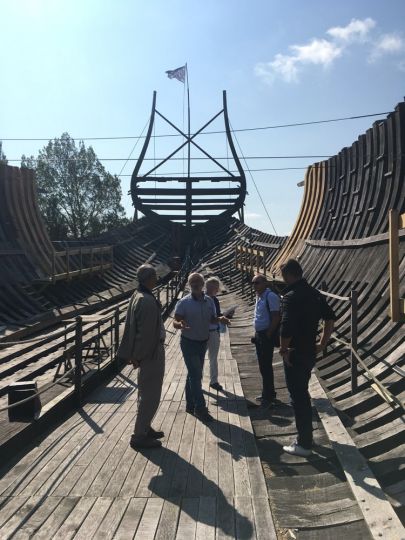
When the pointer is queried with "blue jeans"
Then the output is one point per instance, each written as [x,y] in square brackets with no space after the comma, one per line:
[194,354]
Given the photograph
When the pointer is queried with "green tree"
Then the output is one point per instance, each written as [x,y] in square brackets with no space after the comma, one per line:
[76,195]
[3,158]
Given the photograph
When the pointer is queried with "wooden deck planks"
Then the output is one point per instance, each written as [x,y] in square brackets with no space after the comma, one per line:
[84,481]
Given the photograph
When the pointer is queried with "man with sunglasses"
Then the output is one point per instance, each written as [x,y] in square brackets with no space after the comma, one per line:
[266,323]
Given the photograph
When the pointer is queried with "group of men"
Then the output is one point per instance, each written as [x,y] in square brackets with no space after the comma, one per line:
[293,327]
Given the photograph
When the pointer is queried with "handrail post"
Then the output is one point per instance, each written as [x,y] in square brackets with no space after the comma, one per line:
[53,266]
[353,338]
[78,360]
[116,334]
[68,262]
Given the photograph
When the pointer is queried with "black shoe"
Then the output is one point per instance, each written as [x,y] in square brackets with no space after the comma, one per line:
[270,404]
[144,442]
[276,402]
[217,386]
[259,398]
[203,415]
[155,434]
[190,410]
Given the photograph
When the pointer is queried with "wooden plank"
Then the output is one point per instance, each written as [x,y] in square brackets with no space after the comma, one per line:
[23,514]
[206,525]
[188,519]
[112,519]
[56,520]
[74,520]
[44,508]
[394,265]
[10,506]
[225,518]
[129,523]
[150,519]
[244,518]
[265,529]
[378,513]
[93,519]
[167,527]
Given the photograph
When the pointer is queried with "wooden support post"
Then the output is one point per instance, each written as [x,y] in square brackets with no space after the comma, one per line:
[67,263]
[53,266]
[258,262]
[116,334]
[81,260]
[353,338]
[265,264]
[78,360]
[394,265]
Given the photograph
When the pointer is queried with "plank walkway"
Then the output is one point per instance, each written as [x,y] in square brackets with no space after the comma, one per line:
[82,480]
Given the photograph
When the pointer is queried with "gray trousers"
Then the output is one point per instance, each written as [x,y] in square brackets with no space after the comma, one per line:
[150,380]
[213,349]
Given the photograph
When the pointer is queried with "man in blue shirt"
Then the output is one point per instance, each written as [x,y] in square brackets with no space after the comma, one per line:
[193,315]
[266,322]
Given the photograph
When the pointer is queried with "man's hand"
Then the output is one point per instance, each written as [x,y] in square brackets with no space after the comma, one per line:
[134,362]
[285,353]
[224,320]
[180,325]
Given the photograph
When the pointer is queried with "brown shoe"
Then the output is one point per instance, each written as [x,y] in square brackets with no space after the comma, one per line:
[144,442]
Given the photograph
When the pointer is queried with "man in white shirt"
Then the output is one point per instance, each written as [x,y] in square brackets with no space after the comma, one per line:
[266,323]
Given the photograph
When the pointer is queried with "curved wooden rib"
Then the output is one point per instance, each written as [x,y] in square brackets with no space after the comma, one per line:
[314,192]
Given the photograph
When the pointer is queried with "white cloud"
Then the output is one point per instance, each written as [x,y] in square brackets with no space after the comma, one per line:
[287,66]
[325,51]
[387,44]
[356,30]
[318,51]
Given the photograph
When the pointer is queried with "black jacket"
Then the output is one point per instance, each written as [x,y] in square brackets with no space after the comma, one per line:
[302,307]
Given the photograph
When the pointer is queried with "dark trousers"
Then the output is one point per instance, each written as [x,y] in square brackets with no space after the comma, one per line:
[264,351]
[297,378]
[194,354]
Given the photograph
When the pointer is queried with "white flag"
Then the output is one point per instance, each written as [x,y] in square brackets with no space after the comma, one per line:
[178,73]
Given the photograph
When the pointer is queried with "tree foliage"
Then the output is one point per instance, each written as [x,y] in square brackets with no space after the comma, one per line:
[77,196]
[3,158]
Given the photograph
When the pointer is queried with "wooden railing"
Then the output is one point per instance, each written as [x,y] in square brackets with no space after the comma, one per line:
[79,261]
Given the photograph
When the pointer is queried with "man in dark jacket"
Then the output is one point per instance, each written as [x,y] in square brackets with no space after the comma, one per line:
[301,310]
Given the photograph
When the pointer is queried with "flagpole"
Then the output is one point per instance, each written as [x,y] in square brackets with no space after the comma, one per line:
[189,187]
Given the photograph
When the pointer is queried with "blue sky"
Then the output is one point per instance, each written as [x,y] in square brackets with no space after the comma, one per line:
[89,68]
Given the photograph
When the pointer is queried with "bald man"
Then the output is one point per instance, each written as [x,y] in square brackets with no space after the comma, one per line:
[142,345]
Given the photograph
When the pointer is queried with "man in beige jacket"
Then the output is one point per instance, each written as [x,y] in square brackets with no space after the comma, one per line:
[142,345]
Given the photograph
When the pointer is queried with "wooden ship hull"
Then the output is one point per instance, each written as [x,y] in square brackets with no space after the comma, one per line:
[349,249]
